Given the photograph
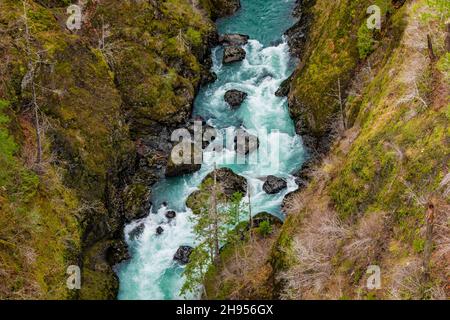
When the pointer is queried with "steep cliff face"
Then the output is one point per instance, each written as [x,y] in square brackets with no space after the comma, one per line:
[380,195]
[106,98]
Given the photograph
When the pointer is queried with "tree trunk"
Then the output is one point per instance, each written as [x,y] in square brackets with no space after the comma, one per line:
[215,216]
[38,129]
[430,49]
[341,105]
[250,209]
[447,38]
[428,240]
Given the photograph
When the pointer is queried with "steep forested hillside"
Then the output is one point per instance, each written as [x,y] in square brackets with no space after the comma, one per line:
[373,108]
[82,114]
[86,117]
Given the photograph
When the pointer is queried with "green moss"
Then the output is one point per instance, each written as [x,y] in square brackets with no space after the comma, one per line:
[332,54]
[264,229]
[282,255]
[365,41]
[37,213]
[194,37]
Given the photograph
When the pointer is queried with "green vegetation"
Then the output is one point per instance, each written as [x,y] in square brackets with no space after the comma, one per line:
[264,229]
[365,41]
[36,225]
[394,164]
[312,100]
[120,72]
[212,227]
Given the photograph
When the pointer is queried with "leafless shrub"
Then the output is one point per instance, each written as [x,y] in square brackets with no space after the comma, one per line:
[407,281]
[442,234]
[438,293]
[29,255]
[247,269]
[293,203]
[365,242]
[314,249]
[445,185]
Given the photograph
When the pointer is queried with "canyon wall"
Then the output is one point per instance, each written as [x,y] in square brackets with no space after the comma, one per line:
[106,98]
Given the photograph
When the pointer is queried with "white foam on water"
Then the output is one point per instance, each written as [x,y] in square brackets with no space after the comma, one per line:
[152,273]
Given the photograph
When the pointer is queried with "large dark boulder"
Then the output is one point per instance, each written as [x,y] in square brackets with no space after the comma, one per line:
[274,185]
[228,183]
[245,142]
[235,98]
[174,169]
[233,39]
[182,254]
[233,54]
[265,216]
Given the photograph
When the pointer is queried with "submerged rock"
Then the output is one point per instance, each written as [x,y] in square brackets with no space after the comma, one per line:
[245,142]
[233,39]
[235,98]
[159,230]
[274,185]
[136,232]
[233,54]
[182,254]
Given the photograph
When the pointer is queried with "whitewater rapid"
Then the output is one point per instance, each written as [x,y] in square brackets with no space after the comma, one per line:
[152,273]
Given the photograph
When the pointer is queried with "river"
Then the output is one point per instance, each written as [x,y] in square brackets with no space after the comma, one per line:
[151,273]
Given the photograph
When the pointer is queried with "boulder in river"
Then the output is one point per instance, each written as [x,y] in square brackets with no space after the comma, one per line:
[136,232]
[171,214]
[274,185]
[265,216]
[233,39]
[159,230]
[182,254]
[174,168]
[228,183]
[209,77]
[233,54]
[235,98]
[245,142]
[284,88]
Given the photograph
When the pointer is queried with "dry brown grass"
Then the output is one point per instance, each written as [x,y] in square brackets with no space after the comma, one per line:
[245,271]
[314,249]
[407,280]
[367,239]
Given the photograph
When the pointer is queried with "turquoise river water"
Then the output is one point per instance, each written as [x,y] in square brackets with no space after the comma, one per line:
[151,273]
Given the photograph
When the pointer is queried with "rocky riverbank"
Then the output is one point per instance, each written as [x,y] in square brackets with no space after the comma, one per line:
[109,96]
[380,148]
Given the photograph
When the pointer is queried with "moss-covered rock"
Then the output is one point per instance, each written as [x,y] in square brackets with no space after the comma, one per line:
[106,94]
[228,183]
